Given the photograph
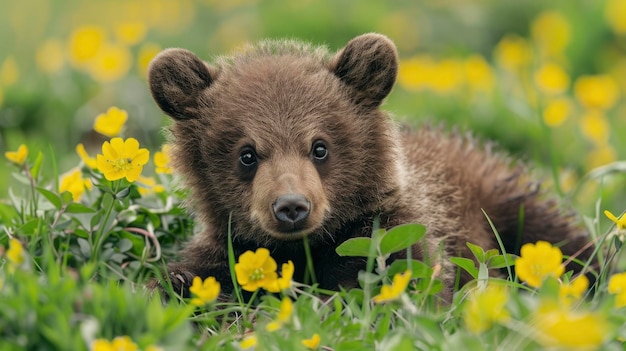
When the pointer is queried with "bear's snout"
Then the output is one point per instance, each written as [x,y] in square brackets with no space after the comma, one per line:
[291,211]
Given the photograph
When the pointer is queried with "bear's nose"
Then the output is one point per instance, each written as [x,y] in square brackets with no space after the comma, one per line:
[291,210]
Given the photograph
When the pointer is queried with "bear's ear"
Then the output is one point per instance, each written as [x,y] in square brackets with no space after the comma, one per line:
[176,78]
[369,64]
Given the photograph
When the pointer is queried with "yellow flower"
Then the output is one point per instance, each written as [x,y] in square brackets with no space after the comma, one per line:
[284,282]
[18,157]
[87,160]
[84,44]
[595,127]
[110,123]
[414,73]
[312,343]
[15,253]
[256,270]
[484,308]
[120,343]
[122,159]
[558,326]
[619,222]
[9,72]
[557,111]
[478,73]
[617,286]
[162,160]
[249,342]
[111,63]
[397,287]
[552,79]
[205,291]
[148,185]
[146,53]
[286,308]
[75,183]
[599,91]
[130,33]
[615,14]
[551,31]
[574,290]
[50,56]
[601,155]
[513,52]
[449,76]
[538,261]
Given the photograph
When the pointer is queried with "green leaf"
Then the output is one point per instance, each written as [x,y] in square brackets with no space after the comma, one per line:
[75,207]
[401,237]
[478,252]
[53,197]
[123,193]
[37,165]
[500,261]
[418,269]
[124,245]
[67,197]
[468,265]
[355,247]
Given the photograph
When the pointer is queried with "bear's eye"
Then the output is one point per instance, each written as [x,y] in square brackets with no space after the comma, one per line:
[319,151]
[247,157]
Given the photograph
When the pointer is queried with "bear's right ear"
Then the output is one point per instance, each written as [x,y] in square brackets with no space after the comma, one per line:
[176,78]
[368,64]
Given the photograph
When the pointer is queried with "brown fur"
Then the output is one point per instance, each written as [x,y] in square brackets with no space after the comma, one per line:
[278,100]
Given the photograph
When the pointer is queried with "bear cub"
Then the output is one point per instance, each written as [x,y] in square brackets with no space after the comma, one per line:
[284,140]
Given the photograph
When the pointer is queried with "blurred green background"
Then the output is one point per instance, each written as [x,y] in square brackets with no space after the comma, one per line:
[545,79]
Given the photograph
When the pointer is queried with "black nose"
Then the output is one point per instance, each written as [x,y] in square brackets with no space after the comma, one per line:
[291,210]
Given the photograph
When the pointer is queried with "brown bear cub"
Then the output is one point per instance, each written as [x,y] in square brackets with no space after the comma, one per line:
[284,141]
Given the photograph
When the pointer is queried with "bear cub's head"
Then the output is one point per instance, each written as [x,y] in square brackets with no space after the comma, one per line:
[283,138]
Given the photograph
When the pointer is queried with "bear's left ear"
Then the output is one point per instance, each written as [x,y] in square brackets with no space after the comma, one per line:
[369,64]
[176,78]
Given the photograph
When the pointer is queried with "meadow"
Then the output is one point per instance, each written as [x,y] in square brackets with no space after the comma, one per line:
[79,240]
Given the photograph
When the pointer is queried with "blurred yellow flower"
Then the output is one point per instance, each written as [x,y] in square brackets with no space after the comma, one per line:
[596,92]
[600,156]
[312,343]
[15,253]
[162,160]
[478,73]
[573,290]
[84,44]
[9,72]
[284,314]
[256,270]
[558,326]
[551,79]
[146,53]
[204,292]
[537,262]
[122,159]
[513,52]
[551,31]
[615,14]
[120,343]
[617,286]
[449,76]
[595,127]
[18,157]
[148,185]
[87,160]
[414,73]
[112,62]
[74,182]
[397,287]
[249,342]
[619,222]
[284,282]
[556,111]
[50,57]
[484,308]
[131,32]
[110,123]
